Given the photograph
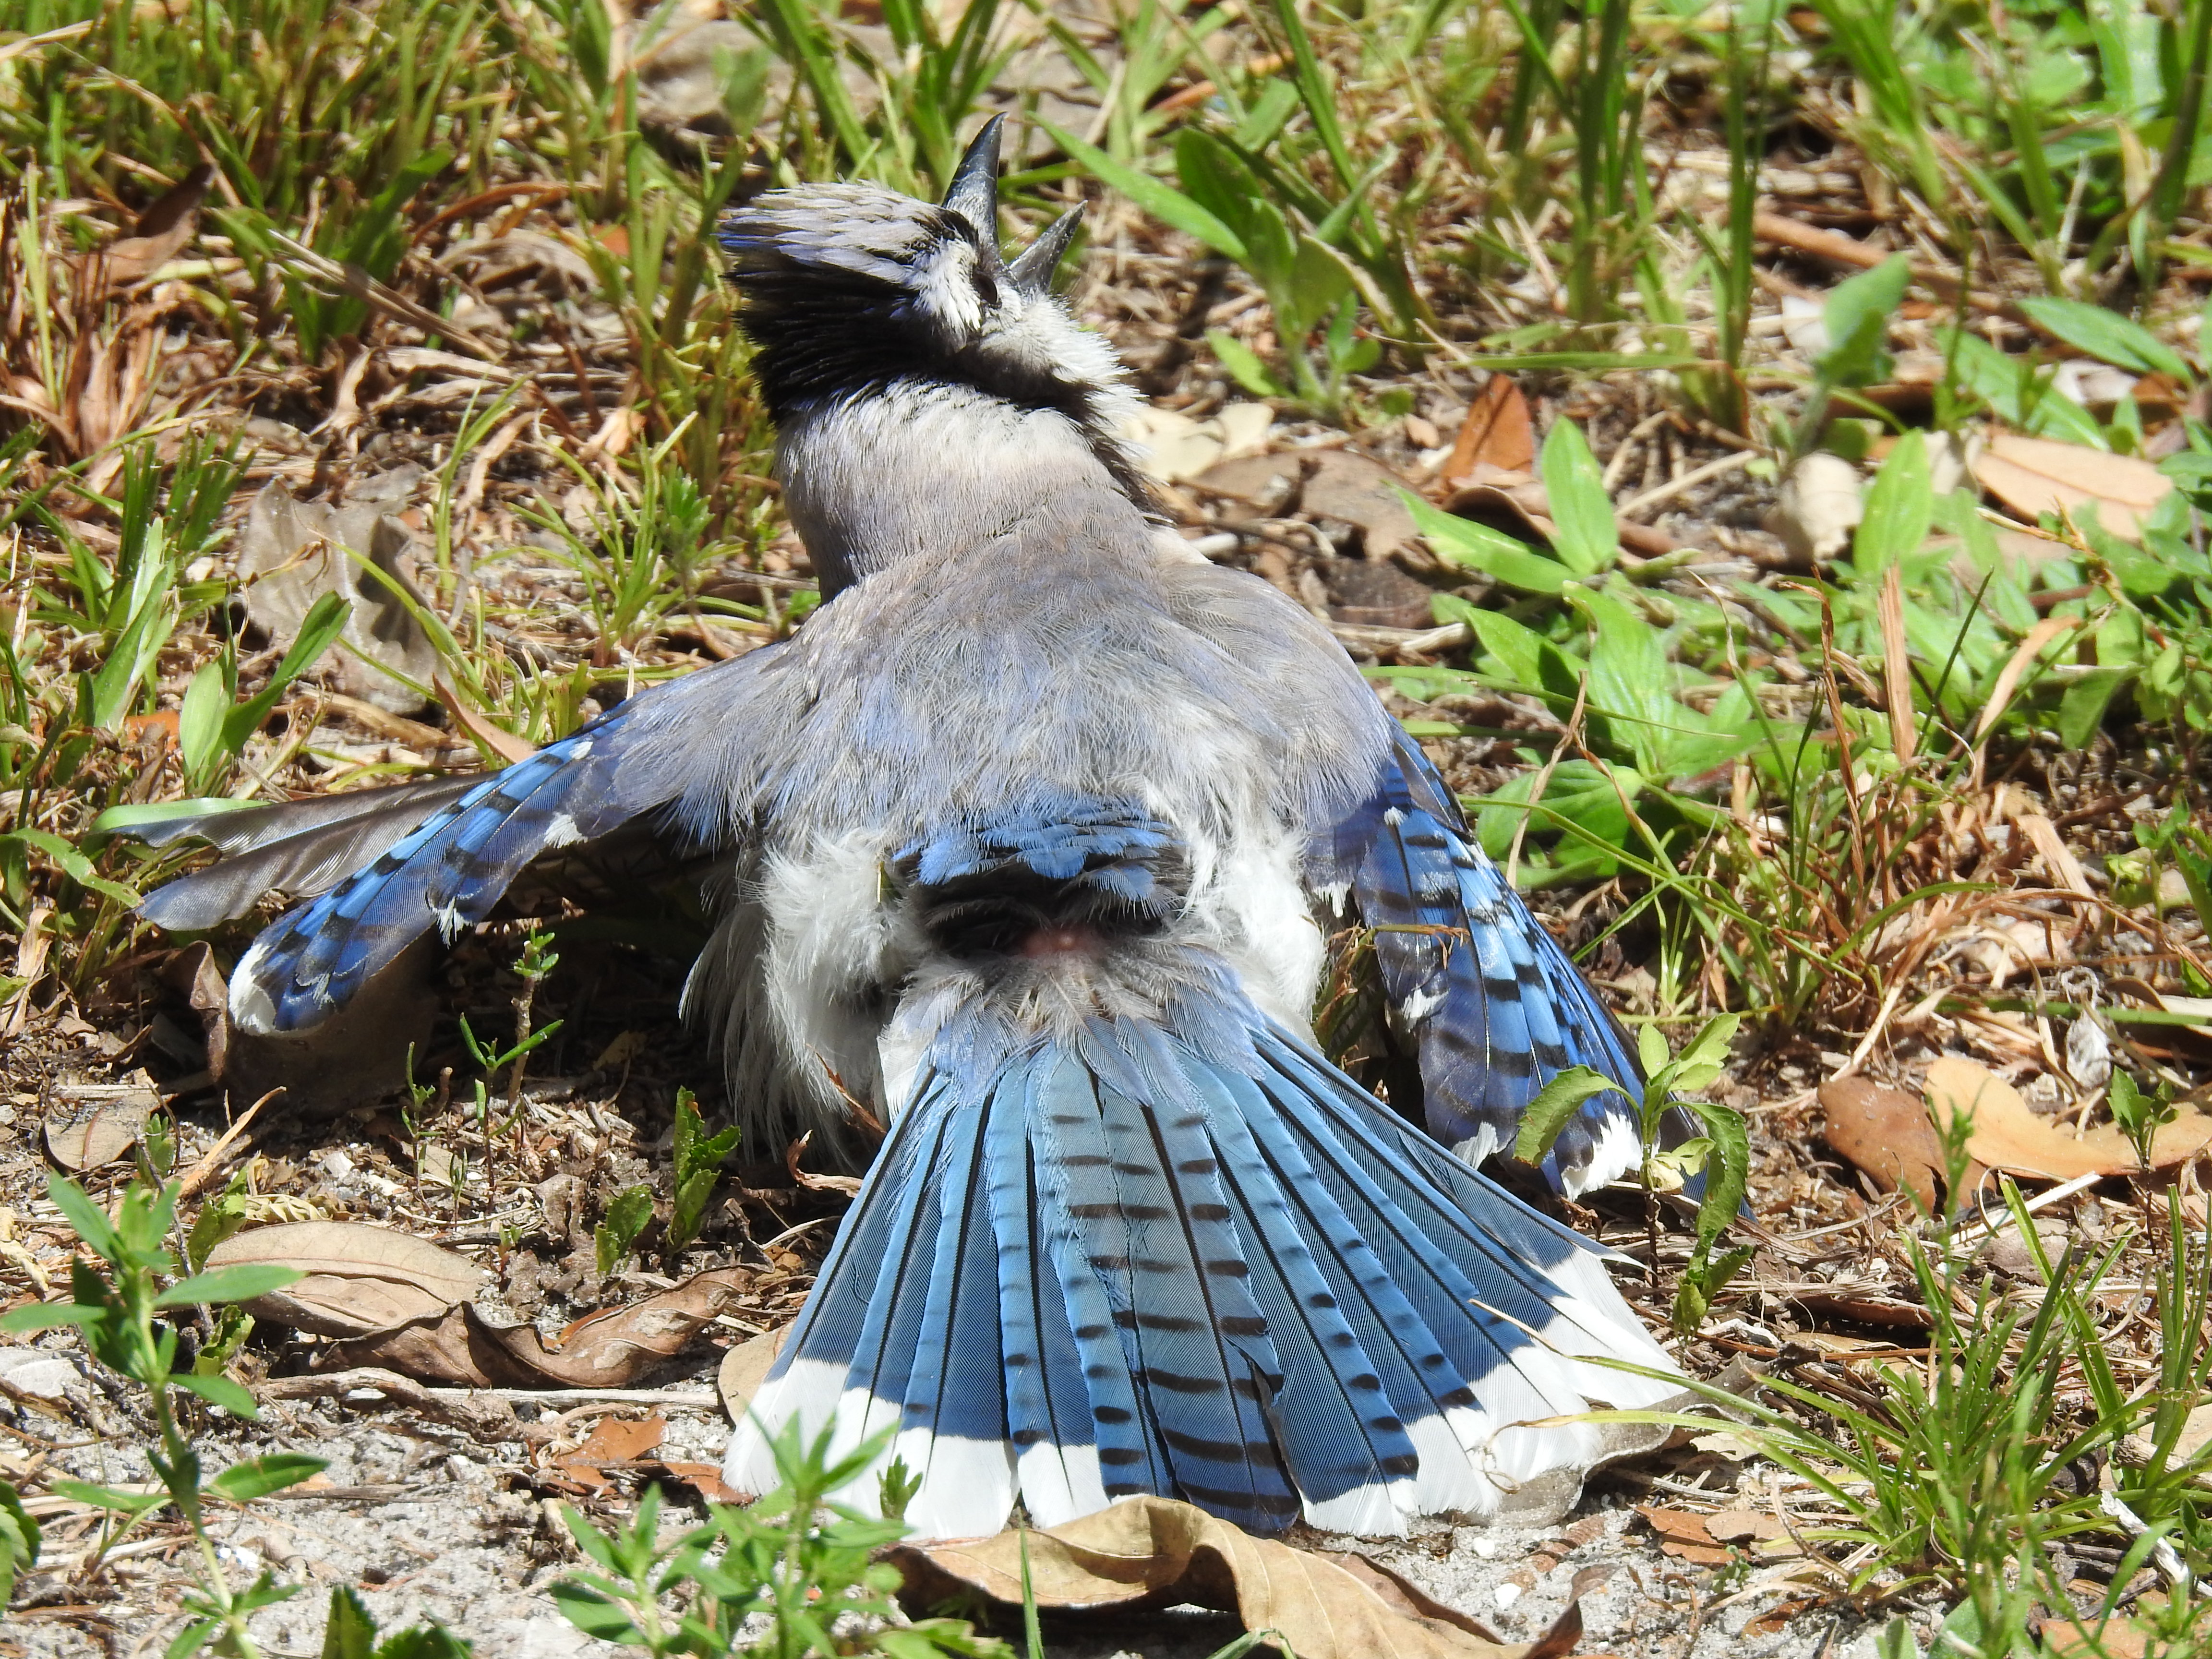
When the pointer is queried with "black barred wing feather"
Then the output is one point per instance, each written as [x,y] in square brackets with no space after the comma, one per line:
[452,867]
[1492,1003]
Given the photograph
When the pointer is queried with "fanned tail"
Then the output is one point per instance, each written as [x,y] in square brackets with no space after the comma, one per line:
[1123,1260]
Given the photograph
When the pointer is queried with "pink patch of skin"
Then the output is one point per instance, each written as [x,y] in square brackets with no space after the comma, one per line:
[1064,941]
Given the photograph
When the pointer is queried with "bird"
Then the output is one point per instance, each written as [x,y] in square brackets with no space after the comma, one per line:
[1037,839]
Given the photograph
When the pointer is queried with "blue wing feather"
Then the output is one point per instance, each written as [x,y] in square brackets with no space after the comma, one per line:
[1493,1002]
[452,868]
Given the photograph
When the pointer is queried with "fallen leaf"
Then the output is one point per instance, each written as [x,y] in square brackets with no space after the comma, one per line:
[2058,861]
[1402,1595]
[1821,504]
[1886,1133]
[359,1278]
[295,551]
[1744,1526]
[1498,430]
[613,1440]
[705,1479]
[99,1122]
[1159,1552]
[611,1349]
[160,234]
[501,742]
[1178,448]
[847,1185]
[2035,476]
[744,1367]
[1322,483]
[2006,1135]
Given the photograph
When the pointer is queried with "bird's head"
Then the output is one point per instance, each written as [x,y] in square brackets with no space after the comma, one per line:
[849,289]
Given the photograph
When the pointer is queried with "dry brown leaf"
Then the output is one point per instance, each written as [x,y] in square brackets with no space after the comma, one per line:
[744,1367]
[359,1278]
[98,1123]
[502,742]
[296,551]
[159,234]
[847,1185]
[1498,430]
[1886,1133]
[2035,476]
[609,1350]
[1159,1552]
[2030,647]
[2006,1135]
[613,1440]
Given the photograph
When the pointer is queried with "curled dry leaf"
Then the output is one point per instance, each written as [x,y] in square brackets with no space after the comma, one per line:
[296,551]
[1178,448]
[359,1278]
[1157,1552]
[2035,476]
[613,1440]
[1886,1133]
[160,233]
[95,1123]
[2006,1135]
[1498,430]
[609,1350]
[1821,503]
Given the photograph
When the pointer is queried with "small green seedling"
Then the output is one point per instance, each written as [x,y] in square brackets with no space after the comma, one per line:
[1721,1154]
[698,1166]
[627,1218]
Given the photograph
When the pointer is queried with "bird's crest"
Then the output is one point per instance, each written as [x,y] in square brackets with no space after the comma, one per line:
[849,288]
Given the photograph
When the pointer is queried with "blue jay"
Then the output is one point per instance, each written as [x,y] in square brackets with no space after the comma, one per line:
[1035,838]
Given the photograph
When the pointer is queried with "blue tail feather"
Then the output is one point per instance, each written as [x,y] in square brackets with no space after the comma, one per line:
[1217,1275]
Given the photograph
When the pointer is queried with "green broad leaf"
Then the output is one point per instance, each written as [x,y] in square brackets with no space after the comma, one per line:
[2108,336]
[1554,1106]
[86,1218]
[199,723]
[241,1483]
[350,1631]
[1243,365]
[1899,509]
[123,820]
[319,630]
[1728,1167]
[1712,1041]
[1856,315]
[2082,709]
[20,1541]
[107,1497]
[596,1615]
[72,863]
[49,1315]
[1652,1049]
[218,1391]
[1589,540]
[1470,546]
[1321,277]
[1163,202]
[238,1284]
[425,1641]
